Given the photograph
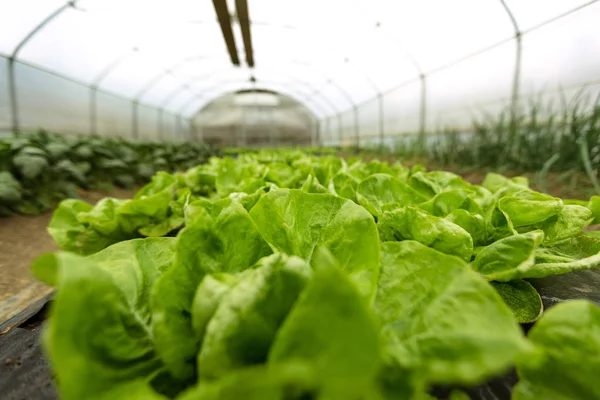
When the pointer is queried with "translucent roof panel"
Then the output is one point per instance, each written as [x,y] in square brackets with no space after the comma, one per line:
[531,13]
[21,17]
[333,55]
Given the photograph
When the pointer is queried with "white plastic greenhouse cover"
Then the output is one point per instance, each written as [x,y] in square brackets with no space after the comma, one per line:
[371,57]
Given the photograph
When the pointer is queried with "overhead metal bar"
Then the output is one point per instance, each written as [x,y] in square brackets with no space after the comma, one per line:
[225,23]
[244,20]
[12,86]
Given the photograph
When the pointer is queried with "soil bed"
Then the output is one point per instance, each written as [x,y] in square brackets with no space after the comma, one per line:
[22,240]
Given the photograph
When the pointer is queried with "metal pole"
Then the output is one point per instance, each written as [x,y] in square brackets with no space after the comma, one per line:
[340,129]
[134,119]
[318,133]
[423,106]
[517,72]
[12,86]
[516,77]
[160,124]
[356,128]
[93,110]
[96,84]
[12,90]
[193,133]
[178,134]
[381,121]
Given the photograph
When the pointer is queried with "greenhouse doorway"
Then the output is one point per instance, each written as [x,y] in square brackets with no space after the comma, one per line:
[256,118]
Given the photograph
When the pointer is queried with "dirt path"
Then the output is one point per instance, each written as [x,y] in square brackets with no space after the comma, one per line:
[22,240]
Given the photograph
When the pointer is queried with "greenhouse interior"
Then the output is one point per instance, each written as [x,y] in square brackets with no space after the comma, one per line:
[300,200]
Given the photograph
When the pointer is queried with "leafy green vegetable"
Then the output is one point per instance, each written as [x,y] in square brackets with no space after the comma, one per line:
[379,190]
[410,223]
[208,296]
[50,167]
[495,182]
[345,185]
[224,239]
[441,318]
[248,316]
[567,341]
[431,183]
[474,224]
[527,207]
[293,276]
[81,228]
[569,222]
[509,258]
[10,189]
[105,300]
[332,329]
[522,299]
[296,223]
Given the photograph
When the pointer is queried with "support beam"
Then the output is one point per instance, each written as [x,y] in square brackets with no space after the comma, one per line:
[12,85]
[225,23]
[134,119]
[244,20]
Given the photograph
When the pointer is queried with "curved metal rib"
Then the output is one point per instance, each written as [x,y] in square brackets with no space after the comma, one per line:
[12,86]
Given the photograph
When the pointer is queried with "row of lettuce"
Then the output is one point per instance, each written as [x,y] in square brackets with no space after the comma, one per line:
[38,169]
[288,276]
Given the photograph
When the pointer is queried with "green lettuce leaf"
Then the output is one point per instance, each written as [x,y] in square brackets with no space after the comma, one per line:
[331,329]
[263,382]
[345,185]
[442,318]
[312,185]
[509,258]
[594,206]
[474,224]
[444,203]
[568,223]
[220,239]
[567,341]
[85,229]
[248,316]
[495,182]
[410,223]
[527,207]
[431,183]
[522,298]
[381,189]
[98,336]
[295,223]
[10,189]
[208,296]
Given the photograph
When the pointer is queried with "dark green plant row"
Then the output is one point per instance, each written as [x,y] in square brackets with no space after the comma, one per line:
[41,168]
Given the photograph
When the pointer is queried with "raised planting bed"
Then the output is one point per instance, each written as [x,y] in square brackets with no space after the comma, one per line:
[287,276]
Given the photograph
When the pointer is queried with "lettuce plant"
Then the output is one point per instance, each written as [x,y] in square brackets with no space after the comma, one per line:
[302,277]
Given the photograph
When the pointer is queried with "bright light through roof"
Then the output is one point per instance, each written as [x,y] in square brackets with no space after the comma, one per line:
[256,99]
